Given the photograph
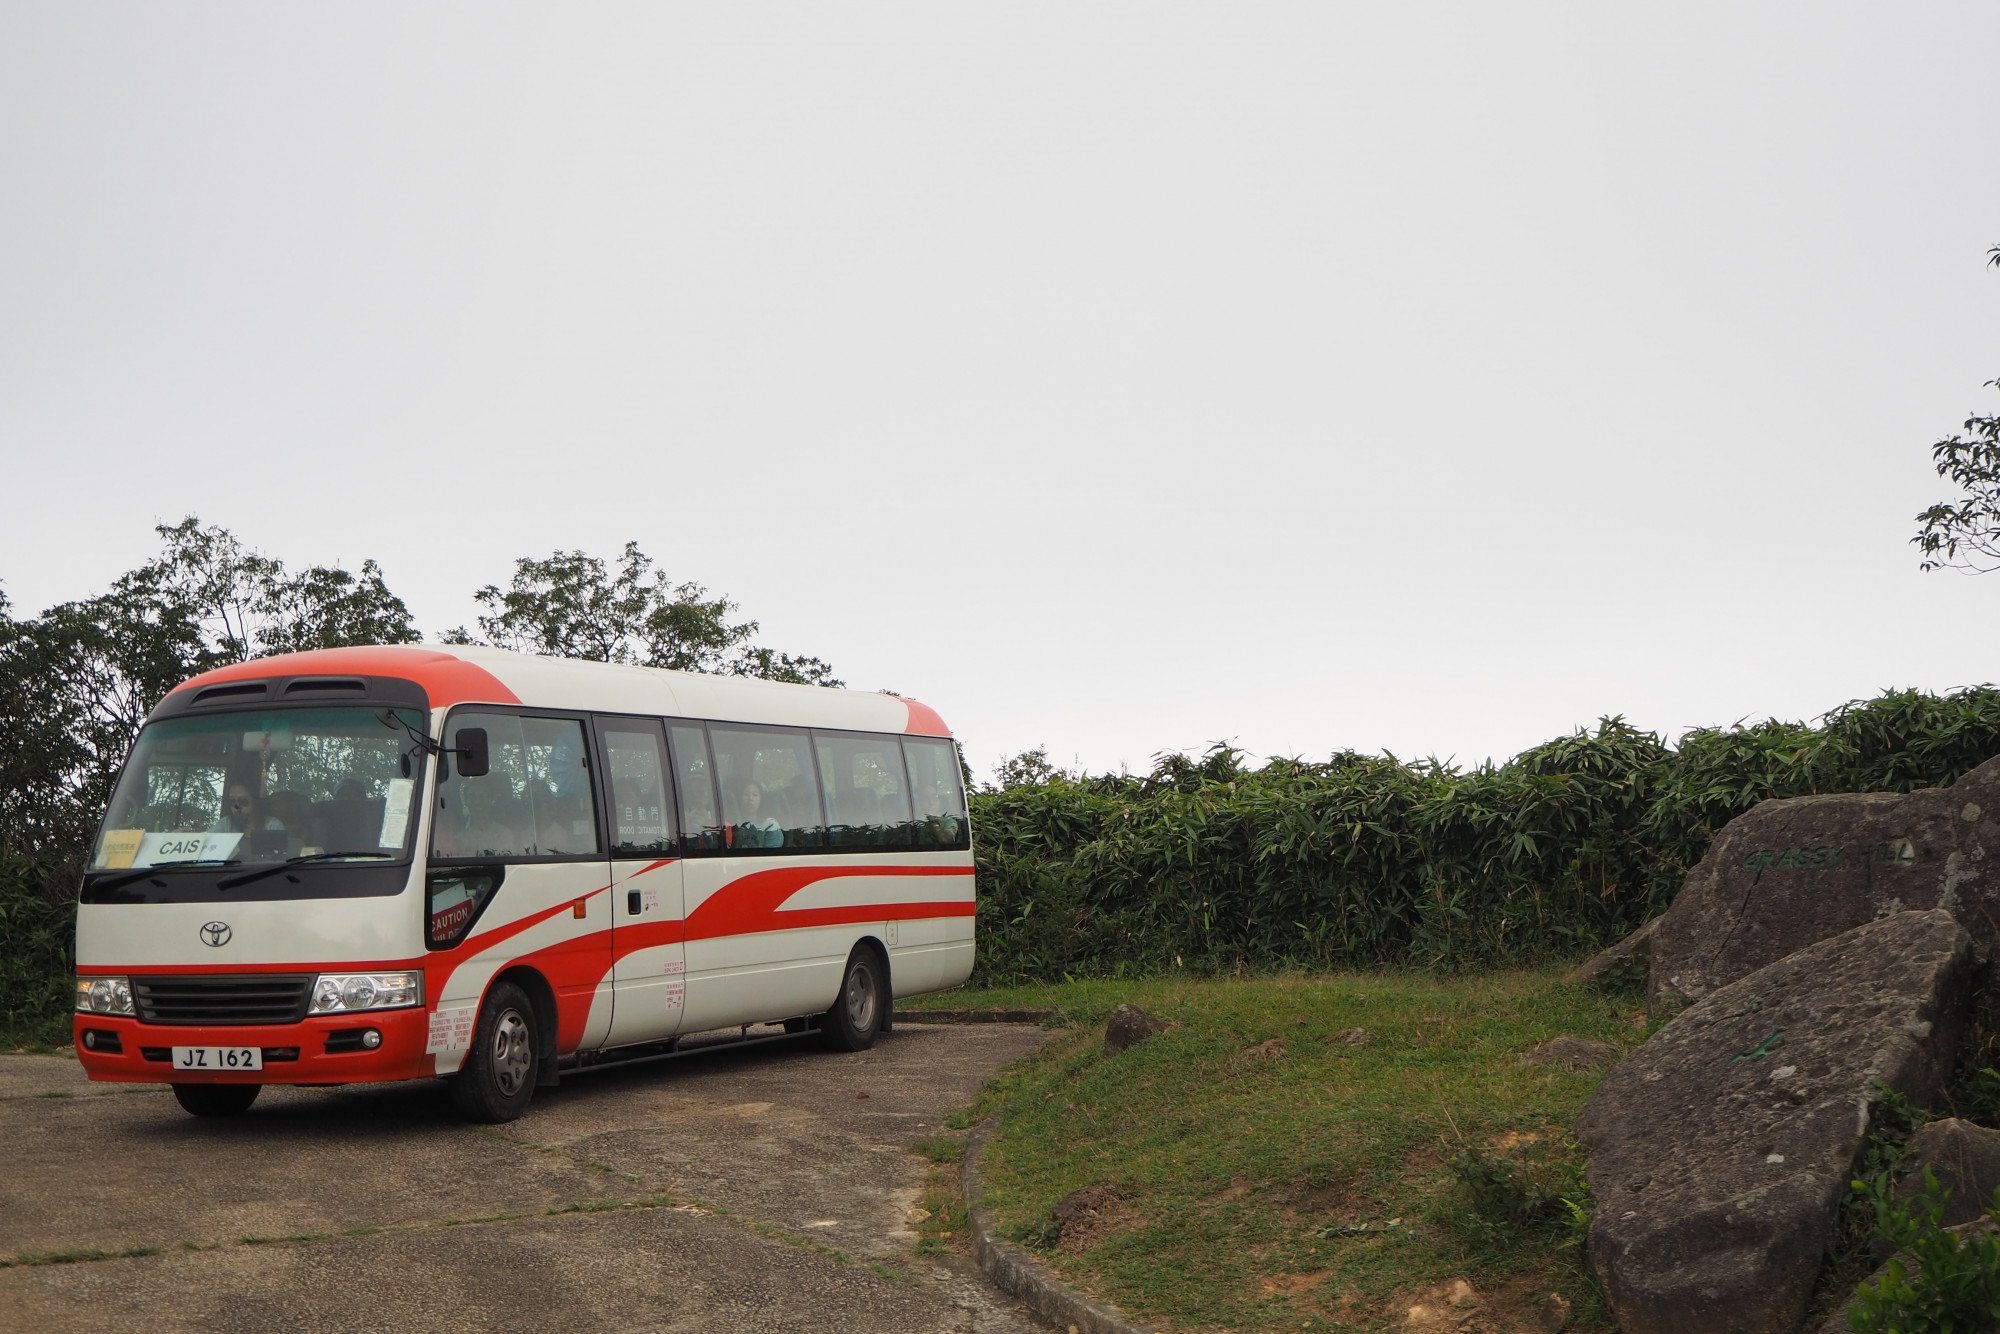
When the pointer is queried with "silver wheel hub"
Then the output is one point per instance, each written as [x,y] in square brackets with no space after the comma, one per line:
[859,996]
[512,1053]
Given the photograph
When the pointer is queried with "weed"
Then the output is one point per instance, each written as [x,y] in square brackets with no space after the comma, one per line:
[1042,1234]
[943,1149]
[1534,1191]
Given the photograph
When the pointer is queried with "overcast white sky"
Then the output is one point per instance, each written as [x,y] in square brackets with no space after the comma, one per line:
[1115,377]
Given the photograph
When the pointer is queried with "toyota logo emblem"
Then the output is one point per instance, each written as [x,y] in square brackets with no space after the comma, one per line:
[215,933]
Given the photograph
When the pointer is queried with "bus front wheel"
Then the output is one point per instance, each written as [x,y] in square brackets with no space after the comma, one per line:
[856,1016]
[498,1076]
[216,1099]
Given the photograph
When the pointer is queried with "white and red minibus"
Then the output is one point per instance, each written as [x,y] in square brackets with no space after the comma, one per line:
[389,863]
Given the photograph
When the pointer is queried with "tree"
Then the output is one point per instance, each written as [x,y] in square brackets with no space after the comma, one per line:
[1031,768]
[248,606]
[574,605]
[1965,533]
[77,681]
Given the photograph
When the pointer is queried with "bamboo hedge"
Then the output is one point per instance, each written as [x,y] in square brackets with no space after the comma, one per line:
[1365,861]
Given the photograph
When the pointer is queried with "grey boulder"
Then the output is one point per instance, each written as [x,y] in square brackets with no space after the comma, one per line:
[1627,961]
[1964,1158]
[1720,1150]
[1130,1025]
[1573,1053]
[1787,873]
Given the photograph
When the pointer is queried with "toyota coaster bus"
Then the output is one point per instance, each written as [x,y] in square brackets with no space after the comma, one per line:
[387,863]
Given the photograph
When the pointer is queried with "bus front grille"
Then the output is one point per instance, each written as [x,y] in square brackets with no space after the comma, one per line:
[272,998]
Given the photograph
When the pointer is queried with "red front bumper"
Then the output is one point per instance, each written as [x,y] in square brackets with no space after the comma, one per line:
[293,1053]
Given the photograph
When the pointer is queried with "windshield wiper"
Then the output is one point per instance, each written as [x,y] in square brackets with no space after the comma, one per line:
[185,861]
[248,876]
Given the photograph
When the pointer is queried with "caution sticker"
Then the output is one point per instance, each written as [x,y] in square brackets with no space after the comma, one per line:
[451,1030]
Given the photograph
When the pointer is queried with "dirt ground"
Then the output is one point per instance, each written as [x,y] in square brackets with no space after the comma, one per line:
[763,1189]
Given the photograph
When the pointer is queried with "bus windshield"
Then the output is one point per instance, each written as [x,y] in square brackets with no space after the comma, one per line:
[242,788]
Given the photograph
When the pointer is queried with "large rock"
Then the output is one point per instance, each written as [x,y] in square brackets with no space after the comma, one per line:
[1628,960]
[1128,1026]
[1788,873]
[1720,1150]
[1964,1158]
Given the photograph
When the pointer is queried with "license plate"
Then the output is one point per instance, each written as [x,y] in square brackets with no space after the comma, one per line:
[218,1058]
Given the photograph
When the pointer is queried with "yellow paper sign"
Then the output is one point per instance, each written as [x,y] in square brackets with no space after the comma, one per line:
[115,854]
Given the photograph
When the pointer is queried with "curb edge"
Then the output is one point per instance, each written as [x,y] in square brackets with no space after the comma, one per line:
[1020,1275]
[973,1016]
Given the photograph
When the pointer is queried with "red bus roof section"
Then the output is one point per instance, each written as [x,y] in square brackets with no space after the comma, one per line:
[446,678]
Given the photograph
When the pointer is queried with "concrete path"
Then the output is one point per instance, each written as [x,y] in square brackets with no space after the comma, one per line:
[763,1189]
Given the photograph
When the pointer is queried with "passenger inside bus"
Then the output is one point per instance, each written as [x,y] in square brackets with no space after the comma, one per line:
[474,829]
[241,815]
[753,831]
[566,827]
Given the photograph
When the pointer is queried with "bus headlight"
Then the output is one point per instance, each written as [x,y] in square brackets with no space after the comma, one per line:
[344,993]
[104,995]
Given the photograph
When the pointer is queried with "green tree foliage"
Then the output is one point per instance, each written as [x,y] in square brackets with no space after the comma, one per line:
[574,605]
[77,681]
[248,605]
[1206,864]
[1965,533]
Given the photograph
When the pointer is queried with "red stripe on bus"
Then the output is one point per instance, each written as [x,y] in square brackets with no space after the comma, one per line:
[751,905]
[445,679]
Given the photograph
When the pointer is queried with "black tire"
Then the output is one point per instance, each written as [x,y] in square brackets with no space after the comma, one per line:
[216,1099]
[498,1077]
[859,1005]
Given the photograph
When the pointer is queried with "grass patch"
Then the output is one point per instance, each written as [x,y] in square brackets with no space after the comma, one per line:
[1259,1170]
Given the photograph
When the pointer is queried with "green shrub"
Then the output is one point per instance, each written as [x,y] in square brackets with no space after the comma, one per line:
[1535,1190]
[1211,866]
[37,936]
[1955,1287]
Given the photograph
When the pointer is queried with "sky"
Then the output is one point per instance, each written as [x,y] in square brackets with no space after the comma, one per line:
[1115,378]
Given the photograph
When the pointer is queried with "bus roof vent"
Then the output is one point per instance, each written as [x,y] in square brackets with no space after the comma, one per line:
[326,685]
[234,690]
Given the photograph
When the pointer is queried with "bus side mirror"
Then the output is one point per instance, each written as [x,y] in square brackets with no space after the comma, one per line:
[473,760]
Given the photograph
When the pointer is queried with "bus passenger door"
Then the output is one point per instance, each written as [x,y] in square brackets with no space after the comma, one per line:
[649,965]
[528,825]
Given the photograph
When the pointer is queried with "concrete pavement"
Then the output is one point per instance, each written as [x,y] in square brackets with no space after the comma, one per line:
[749,1190]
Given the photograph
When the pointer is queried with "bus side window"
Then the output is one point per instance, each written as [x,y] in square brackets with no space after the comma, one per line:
[867,800]
[533,800]
[770,796]
[636,787]
[701,828]
[939,793]
[482,817]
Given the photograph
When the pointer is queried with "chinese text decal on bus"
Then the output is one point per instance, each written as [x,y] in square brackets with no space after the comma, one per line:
[385,863]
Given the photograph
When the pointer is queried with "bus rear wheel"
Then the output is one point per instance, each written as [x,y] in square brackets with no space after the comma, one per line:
[856,1016]
[216,1099]
[498,1076]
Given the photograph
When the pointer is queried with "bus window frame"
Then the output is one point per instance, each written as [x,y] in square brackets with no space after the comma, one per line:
[824,847]
[582,717]
[894,740]
[670,784]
